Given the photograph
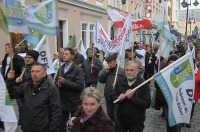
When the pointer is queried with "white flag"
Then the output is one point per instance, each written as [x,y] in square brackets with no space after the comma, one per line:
[102,40]
[7,113]
[127,39]
[45,56]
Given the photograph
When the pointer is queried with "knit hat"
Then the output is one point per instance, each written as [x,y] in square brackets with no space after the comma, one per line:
[33,54]
[172,57]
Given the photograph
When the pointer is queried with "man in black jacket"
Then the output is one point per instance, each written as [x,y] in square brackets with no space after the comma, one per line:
[70,84]
[108,77]
[41,101]
[91,67]
[18,63]
[132,105]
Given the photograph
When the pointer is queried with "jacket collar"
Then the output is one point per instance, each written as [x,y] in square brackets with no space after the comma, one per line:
[70,69]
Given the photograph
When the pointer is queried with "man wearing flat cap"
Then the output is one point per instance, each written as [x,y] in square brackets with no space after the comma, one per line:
[108,77]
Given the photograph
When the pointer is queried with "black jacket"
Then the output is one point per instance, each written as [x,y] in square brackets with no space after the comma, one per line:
[132,111]
[18,63]
[108,79]
[72,87]
[42,108]
[92,77]
[78,59]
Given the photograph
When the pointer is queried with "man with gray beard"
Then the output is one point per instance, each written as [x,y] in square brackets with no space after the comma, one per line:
[132,105]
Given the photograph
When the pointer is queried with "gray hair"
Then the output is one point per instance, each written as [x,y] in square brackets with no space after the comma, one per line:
[133,62]
[91,92]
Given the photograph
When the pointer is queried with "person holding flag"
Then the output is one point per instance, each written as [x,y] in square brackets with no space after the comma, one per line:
[91,67]
[132,105]
[41,101]
[107,77]
[70,83]
[160,99]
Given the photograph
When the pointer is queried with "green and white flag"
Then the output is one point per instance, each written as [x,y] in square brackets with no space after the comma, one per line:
[34,38]
[167,41]
[15,16]
[7,113]
[81,48]
[3,22]
[176,82]
[72,42]
[43,17]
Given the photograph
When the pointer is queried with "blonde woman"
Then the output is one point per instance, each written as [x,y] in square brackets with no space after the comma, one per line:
[90,117]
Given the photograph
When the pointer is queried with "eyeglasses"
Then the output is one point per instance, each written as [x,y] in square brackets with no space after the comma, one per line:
[28,57]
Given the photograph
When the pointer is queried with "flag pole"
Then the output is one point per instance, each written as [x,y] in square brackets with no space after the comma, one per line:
[160,47]
[59,47]
[11,52]
[25,38]
[118,64]
[139,86]
[92,60]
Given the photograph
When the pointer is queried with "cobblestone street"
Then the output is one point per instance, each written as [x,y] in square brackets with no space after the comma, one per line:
[154,122]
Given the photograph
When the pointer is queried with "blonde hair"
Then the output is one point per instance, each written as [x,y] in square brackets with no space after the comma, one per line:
[91,92]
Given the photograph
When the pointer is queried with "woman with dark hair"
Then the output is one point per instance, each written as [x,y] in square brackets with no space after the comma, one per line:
[90,117]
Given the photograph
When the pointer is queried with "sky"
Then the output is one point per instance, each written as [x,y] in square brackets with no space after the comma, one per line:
[192,6]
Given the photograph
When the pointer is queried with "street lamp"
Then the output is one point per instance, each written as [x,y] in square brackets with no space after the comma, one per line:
[190,21]
[185,4]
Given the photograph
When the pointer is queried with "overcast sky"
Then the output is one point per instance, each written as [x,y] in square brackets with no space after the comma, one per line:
[192,6]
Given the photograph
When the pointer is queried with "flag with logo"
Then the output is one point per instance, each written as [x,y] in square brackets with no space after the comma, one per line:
[72,41]
[7,113]
[34,38]
[45,55]
[3,22]
[176,82]
[42,17]
[15,16]
[167,39]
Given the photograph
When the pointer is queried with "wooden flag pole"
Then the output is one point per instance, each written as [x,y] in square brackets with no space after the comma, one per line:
[11,53]
[92,60]
[59,46]
[22,73]
[139,86]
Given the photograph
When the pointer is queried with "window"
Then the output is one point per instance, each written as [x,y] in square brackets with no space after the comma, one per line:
[87,33]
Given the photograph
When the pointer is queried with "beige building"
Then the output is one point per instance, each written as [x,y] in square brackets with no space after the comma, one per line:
[75,17]
[79,17]
[193,21]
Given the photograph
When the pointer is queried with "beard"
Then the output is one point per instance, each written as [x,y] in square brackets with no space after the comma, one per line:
[131,77]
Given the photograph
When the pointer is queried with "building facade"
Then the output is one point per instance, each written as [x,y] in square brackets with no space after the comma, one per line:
[79,17]
[192,13]
[75,17]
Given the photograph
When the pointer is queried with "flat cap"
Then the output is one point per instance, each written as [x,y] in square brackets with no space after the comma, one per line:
[111,57]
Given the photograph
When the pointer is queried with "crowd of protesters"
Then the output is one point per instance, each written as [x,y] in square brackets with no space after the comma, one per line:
[72,101]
